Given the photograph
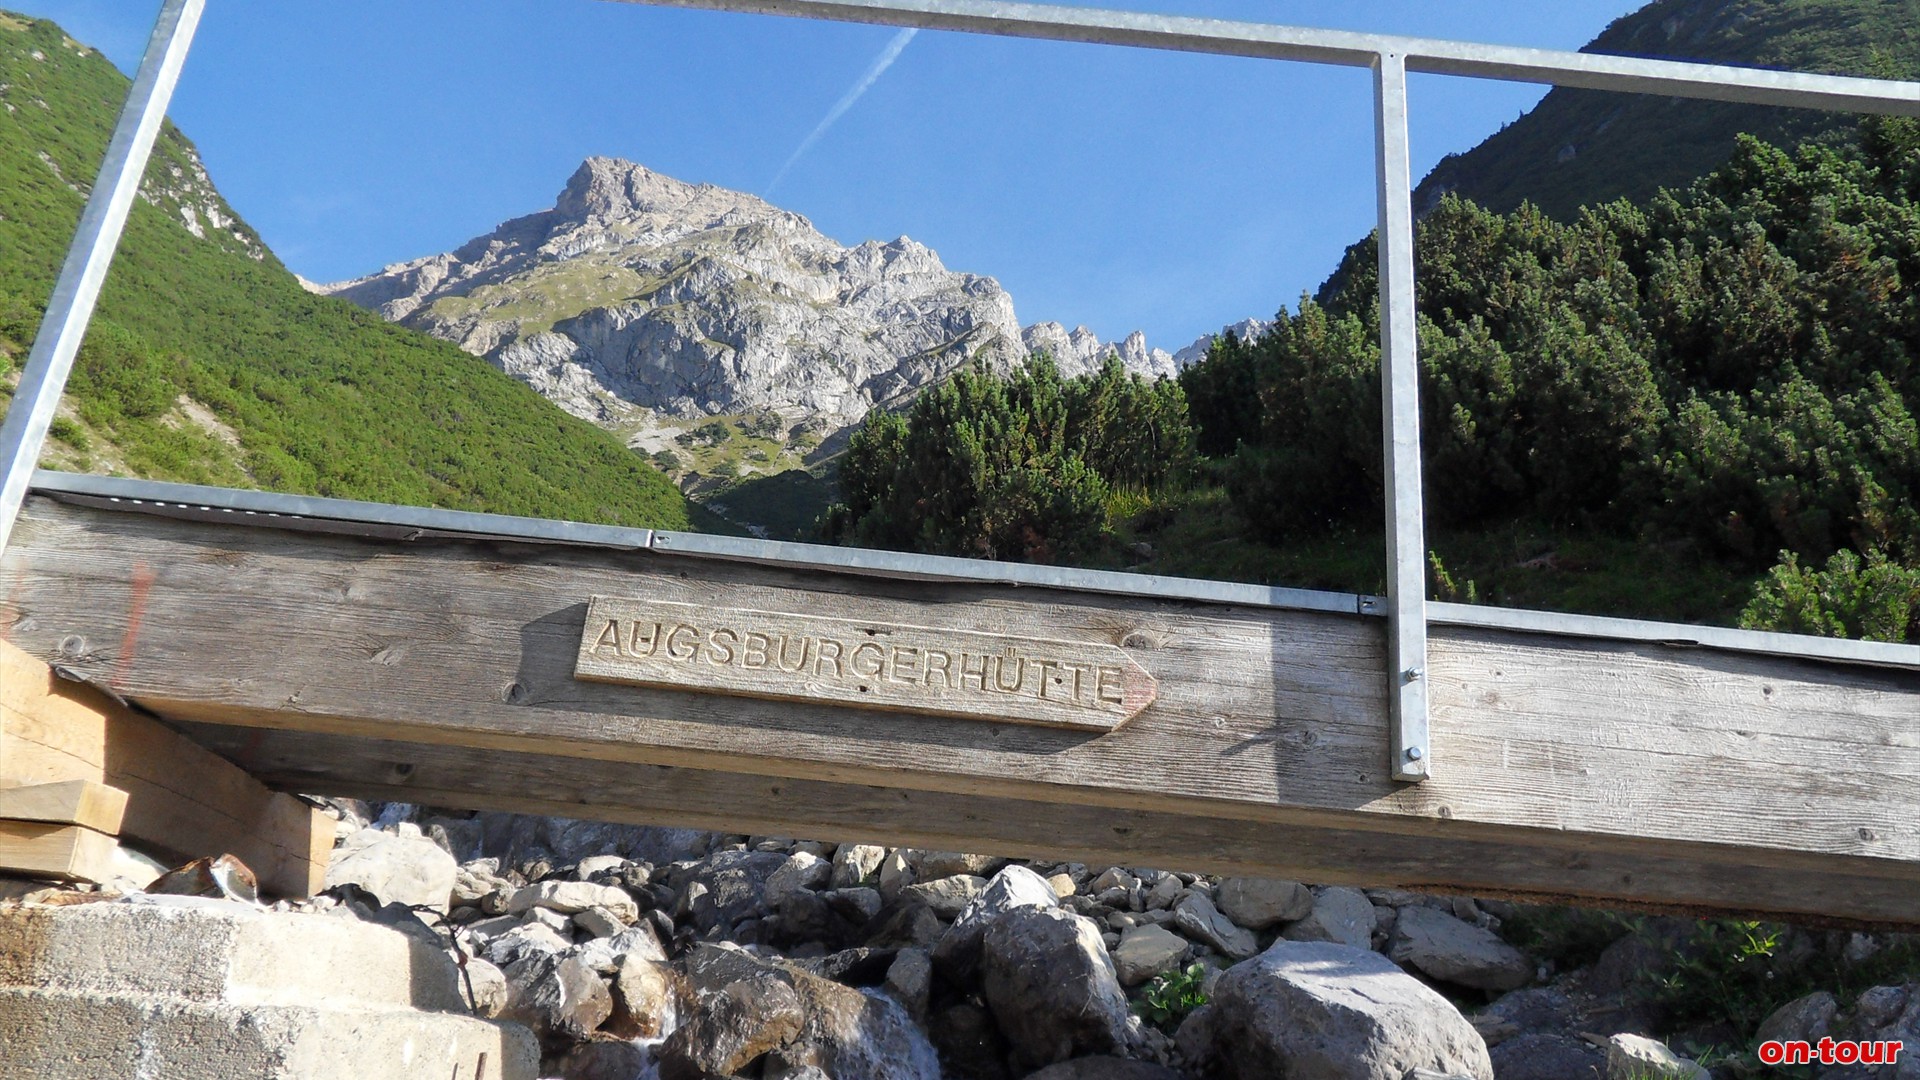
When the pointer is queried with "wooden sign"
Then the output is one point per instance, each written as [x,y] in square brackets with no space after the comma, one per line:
[873,665]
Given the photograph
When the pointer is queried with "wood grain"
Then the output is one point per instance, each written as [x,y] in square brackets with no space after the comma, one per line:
[182,801]
[67,852]
[72,802]
[1558,746]
[1452,860]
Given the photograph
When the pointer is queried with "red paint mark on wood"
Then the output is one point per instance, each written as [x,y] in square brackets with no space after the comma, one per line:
[136,610]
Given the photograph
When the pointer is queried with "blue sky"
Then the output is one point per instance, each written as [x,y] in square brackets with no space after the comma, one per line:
[1117,188]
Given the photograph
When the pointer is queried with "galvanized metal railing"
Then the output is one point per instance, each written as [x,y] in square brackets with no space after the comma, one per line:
[1390,58]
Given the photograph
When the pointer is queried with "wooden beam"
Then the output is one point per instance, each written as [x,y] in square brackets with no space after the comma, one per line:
[1447,861]
[67,852]
[182,802]
[1665,769]
[69,802]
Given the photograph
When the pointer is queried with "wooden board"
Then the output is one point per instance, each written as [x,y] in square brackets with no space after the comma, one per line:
[67,852]
[1449,860]
[1552,748]
[1087,686]
[182,802]
[69,802]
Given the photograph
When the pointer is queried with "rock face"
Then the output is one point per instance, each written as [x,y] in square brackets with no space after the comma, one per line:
[637,290]
[1334,1013]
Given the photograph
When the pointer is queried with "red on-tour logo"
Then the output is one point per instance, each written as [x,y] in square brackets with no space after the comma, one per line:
[1830,1052]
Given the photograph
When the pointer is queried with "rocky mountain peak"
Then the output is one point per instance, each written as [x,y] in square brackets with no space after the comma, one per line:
[639,294]
[608,188]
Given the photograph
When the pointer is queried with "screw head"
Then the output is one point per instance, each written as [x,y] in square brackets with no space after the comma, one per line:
[1414,753]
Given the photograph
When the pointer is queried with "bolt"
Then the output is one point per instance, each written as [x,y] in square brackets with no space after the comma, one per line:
[1414,753]
[1413,674]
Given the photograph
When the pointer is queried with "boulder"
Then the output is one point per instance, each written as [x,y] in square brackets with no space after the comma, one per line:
[947,896]
[1807,1019]
[531,939]
[398,869]
[730,1026]
[1450,950]
[1340,915]
[934,865]
[573,897]
[958,953]
[1051,986]
[815,1023]
[560,999]
[1147,951]
[1332,1012]
[644,1005]
[488,984]
[802,871]
[1197,918]
[1636,1057]
[1257,903]
[729,886]
[853,864]
[910,981]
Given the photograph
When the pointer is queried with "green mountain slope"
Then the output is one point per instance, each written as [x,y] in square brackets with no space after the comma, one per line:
[1583,147]
[209,362]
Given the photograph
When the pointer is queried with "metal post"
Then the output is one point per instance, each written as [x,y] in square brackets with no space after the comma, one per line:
[1400,406]
[70,307]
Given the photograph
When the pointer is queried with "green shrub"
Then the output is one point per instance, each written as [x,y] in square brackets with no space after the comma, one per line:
[1852,597]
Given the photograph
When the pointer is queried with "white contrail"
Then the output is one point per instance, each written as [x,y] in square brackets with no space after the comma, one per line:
[880,65]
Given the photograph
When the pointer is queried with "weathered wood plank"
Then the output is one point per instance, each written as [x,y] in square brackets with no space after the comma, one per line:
[72,802]
[1554,745]
[182,801]
[1451,859]
[67,852]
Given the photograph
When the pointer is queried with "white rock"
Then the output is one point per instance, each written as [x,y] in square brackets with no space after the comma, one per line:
[598,922]
[397,869]
[572,897]
[489,986]
[1636,1057]
[947,896]
[854,863]
[593,865]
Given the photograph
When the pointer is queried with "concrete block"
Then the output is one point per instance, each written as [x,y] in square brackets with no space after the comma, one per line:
[158,988]
[202,949]
[83,1035]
